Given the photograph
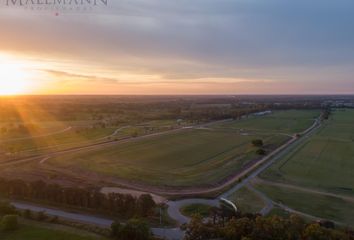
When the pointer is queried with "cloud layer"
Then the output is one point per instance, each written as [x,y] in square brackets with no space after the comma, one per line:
[285,46]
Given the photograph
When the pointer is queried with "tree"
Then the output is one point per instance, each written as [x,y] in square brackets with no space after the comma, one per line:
[116,229]
[146,205]
[257,142]
[6,208]
[9,223]
[261,151]
[315,232]
[27,214]
[197,230]
[135,229]
[238,228]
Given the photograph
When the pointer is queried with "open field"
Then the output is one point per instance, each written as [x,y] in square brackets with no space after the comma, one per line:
[35,231]
[189,157]
[185,158]
[74,134]
[286,122]
[321,206]
[325,161]
[247,201]
[196,209]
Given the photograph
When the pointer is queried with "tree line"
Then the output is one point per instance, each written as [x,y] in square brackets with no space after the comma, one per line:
[255,227]
[121,205]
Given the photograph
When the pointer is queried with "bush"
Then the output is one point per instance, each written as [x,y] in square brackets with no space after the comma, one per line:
[257,142]
[54,219]
[27,214]
[115,229]
[135,229]
[9,223]
[41,216]
[6,208]
[261,151]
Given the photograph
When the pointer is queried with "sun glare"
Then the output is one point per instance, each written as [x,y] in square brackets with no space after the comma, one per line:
[14,79]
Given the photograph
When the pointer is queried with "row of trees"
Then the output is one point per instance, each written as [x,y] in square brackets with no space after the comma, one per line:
[255,227]
[122,205]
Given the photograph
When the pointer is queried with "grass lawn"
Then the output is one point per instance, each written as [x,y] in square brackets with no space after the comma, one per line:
[247,201]
[189,157]
[37,232]
[62,140]
[195,209]
[325,161]
[314,204]
[288,122]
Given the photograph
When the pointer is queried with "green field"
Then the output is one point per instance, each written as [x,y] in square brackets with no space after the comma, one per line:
[184,158]
[287,122]
[320,206]
[188,157]
[36,232]
[53,136]
[325,161]
[247,201]
[196,209]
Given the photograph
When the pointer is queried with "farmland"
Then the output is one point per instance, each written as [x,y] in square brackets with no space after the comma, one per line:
[247,201]
[32,231]
[190,157]
[320,206]
[325,161]
[316,177]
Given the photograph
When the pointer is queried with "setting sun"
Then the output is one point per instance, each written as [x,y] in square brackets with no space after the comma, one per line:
[14,80]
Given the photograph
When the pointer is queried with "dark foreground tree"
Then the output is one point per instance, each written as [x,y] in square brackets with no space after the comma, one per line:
[116,229]
[134,229]
[255,227]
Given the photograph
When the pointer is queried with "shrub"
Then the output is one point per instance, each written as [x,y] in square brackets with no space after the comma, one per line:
[6,208]
[41,216]
[54,219]
[115,229]
[9,223]
[261,151]
[257,142]
[135,229]
[27,214]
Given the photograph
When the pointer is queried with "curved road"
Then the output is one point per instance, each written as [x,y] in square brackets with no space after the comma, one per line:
[174,206]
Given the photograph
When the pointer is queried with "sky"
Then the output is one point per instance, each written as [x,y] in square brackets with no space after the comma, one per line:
[180,47]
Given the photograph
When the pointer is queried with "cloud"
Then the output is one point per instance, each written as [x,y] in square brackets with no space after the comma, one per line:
[293,42]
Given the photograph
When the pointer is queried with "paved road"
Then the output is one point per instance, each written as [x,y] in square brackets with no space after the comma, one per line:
[255,170]
[268,202]
[174,206]
[169,233]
